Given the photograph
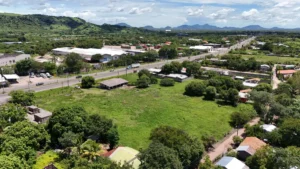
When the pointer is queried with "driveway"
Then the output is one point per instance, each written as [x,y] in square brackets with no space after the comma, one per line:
[275,80]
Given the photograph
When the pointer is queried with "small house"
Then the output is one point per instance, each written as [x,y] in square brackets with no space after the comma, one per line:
[252,83]
[286,73]
[268,127]
[38,115]
[12,78]
[249,146]
[265,67]
[231,163]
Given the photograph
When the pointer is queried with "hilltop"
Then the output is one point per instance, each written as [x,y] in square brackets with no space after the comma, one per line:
[57,24]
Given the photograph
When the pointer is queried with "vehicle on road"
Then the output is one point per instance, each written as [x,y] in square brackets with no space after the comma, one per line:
[79,77]
[48,75]
[39,84]
[135,65]
[43,75]
[112,70]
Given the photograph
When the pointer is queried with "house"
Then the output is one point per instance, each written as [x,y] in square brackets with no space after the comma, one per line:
[289,67]
[214,45]
[286,73]
[265,67]
[202,48]
[154,70]
[11,59]
[268,127]
[38,115]
[244,95]
[248,147]
[113,83]
[231,163]
[252,83]
[124,155]
[260,43]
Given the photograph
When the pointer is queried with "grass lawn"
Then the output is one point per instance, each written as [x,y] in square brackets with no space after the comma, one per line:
[46,159]
[137,112]
[275,59]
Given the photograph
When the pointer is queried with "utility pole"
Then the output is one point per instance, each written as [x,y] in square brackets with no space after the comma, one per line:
[29,81]
[126,65]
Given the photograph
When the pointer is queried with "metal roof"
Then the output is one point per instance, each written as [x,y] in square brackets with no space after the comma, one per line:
[231,163]
[268,127]
[114,82]
[11,77]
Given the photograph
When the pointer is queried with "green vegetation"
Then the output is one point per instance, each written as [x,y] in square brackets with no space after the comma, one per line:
[274,59]
[46,159]
[136,112]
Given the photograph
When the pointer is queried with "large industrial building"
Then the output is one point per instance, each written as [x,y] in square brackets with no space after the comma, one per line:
[107,53]
[11,59]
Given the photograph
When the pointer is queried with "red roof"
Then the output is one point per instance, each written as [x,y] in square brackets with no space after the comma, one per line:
[286,72]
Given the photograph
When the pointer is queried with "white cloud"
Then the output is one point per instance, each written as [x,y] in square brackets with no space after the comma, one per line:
[221,15]
[120,9]
[252,14]
[196,12]
[83,14]
[139,11]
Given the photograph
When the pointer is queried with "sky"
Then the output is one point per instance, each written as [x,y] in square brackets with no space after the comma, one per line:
[162,13]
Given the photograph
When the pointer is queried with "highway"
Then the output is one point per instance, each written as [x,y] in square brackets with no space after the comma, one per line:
[57,83]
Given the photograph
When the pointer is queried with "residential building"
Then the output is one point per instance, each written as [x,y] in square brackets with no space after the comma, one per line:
[214,45]
[265,67]
[248,147]
[124,155]
[231,163]
[286,73]
[113,83]
[11,59]
[177,77]
[154,70]
[252,83]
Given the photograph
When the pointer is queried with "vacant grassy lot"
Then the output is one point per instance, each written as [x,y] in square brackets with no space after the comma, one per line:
[275,59]
[137,112]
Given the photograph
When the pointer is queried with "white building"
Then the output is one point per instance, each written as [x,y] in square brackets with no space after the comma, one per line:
[107,53]
[11,59]
[268,127]
[202,48]
[231,163]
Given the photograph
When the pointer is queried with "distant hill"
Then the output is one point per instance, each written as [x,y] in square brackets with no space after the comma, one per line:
[124,25]
[43,23]
[253,27]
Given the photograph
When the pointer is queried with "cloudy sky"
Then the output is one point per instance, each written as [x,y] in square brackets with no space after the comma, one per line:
[162,13]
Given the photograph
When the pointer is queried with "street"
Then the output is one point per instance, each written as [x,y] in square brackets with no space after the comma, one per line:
[57,83]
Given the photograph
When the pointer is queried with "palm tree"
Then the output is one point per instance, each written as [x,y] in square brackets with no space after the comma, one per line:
[90,150]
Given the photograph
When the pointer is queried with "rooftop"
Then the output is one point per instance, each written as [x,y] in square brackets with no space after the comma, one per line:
[285,72]
[11,77]
[124,154]
[179,76]
[201,47]
[91,51]
[114,82]
[253,142]
[43,114]
[268,127]
[231,163]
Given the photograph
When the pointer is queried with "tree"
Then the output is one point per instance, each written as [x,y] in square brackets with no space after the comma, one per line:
[207,164]
[144,72]
[150,56]
[167,82]
[90,149]
[195,89]
[237,140]
[10,114]
[31,135]
[87,82]
[284,88]
[153,80]
[210,93]
[233,96]
[73,62]
[264,87]
[100,127]
[12,162]
[208,141]
[96,58]
[189,149]
[158,156]
[22,98]
[113,137]
[143,82]
[69,139]
[169,52]
[23,67]
[238,119]
[65,119]
[192,68]
[50,68]
[290,131]
[262,101]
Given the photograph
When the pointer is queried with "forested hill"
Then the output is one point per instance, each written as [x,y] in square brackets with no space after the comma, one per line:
[44,23]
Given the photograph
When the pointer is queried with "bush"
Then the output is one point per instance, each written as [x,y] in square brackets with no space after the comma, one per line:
[87,82]
[167,82]
[144,72]
[210,93]
[143,82]
[237,140]
[195,89]
[232,153]
[153,80]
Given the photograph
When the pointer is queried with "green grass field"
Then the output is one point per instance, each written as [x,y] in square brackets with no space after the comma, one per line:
[137,112]
[275,59]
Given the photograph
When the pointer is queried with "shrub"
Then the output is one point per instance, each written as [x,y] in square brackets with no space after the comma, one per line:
[153,80]
[210,93]
[167,82]
[143,82]
[87,82]
[237,140]
[195,89]
[144,72]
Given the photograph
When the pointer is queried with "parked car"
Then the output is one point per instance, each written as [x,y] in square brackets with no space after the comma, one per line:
[78,77]
[48,75]
[39,84]
[37,75]
[44,75]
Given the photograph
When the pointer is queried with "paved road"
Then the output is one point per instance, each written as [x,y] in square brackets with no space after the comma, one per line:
[56,83]
[221,148]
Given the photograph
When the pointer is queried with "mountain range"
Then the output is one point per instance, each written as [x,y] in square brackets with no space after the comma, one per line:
[215,28]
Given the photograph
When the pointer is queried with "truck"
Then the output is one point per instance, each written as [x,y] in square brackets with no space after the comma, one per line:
[132,66]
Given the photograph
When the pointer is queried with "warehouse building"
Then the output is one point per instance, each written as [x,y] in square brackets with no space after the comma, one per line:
[11,59]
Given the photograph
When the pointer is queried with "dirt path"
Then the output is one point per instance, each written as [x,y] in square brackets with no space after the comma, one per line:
[275,80]
[221,147]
